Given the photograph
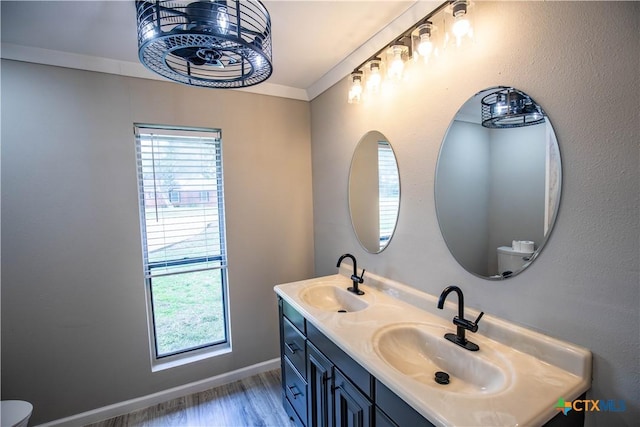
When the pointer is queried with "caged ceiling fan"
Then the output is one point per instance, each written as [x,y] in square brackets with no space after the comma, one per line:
[216,44]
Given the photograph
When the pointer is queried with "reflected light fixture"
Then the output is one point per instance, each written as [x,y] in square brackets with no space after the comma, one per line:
[213,43]
[510,108]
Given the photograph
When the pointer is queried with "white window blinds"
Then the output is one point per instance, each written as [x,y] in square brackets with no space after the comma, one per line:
[181,199]
[389,191]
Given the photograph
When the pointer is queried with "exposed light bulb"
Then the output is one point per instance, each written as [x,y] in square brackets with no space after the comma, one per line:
[461,26]
[223,20]
[148,31]
[396,68]
[425,45]
[375,79]
[355,93]
[356,89]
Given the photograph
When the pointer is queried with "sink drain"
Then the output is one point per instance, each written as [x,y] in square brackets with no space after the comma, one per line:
[442,377]
[342,311]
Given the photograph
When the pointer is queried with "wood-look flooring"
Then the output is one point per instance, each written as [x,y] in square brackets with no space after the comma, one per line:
[254,401]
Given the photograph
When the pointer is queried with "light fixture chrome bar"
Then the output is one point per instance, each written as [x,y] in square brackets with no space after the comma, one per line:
[405,37]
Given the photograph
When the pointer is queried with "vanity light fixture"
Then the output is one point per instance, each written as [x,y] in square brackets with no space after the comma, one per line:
[415,43]
[374,78]
[461,26]
[212,43]
[397,54]
[356,87]
[423,38]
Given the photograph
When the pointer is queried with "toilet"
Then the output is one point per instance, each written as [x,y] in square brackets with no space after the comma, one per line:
[15,413]
[510,260]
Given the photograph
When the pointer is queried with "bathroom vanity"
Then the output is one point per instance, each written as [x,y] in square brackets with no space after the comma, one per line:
[370,360]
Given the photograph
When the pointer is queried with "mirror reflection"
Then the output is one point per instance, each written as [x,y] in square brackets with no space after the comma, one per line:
[374,192]
[498,182]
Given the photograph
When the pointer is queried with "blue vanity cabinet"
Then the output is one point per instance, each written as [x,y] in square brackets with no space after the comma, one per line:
[322,386]
[339,392]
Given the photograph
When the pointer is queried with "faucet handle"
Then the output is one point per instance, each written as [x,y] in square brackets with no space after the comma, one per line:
[359,279]
[474,325]
[468,324]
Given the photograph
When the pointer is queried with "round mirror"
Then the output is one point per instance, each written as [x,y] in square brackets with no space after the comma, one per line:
[497,184]
[374,192]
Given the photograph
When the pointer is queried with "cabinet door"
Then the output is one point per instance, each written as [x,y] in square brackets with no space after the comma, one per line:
[350,407]
[319,376]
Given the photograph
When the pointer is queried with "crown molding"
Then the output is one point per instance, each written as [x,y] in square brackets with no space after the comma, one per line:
[123,68]
[135,69]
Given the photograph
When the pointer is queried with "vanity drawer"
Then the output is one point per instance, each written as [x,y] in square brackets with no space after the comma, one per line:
[294,317]
[293,416]
[295,389]
[293,346]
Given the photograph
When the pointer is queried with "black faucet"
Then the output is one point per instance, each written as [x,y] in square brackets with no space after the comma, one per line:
[356,279]
[459,320]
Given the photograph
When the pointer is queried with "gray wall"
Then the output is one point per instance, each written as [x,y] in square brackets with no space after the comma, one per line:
[517,202]
[463,193]
[581,62]
[74,328]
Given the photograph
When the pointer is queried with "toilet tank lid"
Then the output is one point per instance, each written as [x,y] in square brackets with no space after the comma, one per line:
[509,251]
[14,411]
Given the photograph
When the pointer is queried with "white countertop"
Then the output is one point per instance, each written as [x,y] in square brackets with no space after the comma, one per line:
[541,369]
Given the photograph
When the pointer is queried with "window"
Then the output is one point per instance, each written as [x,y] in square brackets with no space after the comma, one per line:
[389,191]
[183,240]
[174,197]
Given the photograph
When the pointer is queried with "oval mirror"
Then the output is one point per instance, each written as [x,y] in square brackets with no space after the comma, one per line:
[374,192]
[498,182]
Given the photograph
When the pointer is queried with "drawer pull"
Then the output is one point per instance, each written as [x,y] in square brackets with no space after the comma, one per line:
[291,347]
[294,393]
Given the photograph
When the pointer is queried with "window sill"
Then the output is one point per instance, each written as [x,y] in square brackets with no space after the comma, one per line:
[184,359]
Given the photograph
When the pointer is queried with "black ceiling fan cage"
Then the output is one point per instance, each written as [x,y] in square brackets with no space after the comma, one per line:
[216,44]
[510,108]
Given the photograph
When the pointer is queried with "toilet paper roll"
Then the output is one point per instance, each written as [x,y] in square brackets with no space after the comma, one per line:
[516,245]
[527,246]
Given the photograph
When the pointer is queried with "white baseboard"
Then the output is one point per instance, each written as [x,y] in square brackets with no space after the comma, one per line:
[138,403]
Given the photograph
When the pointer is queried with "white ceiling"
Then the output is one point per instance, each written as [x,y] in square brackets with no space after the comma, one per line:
[315,43]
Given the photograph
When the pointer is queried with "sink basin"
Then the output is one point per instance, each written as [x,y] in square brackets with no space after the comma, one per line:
[419,350]
[333,298]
